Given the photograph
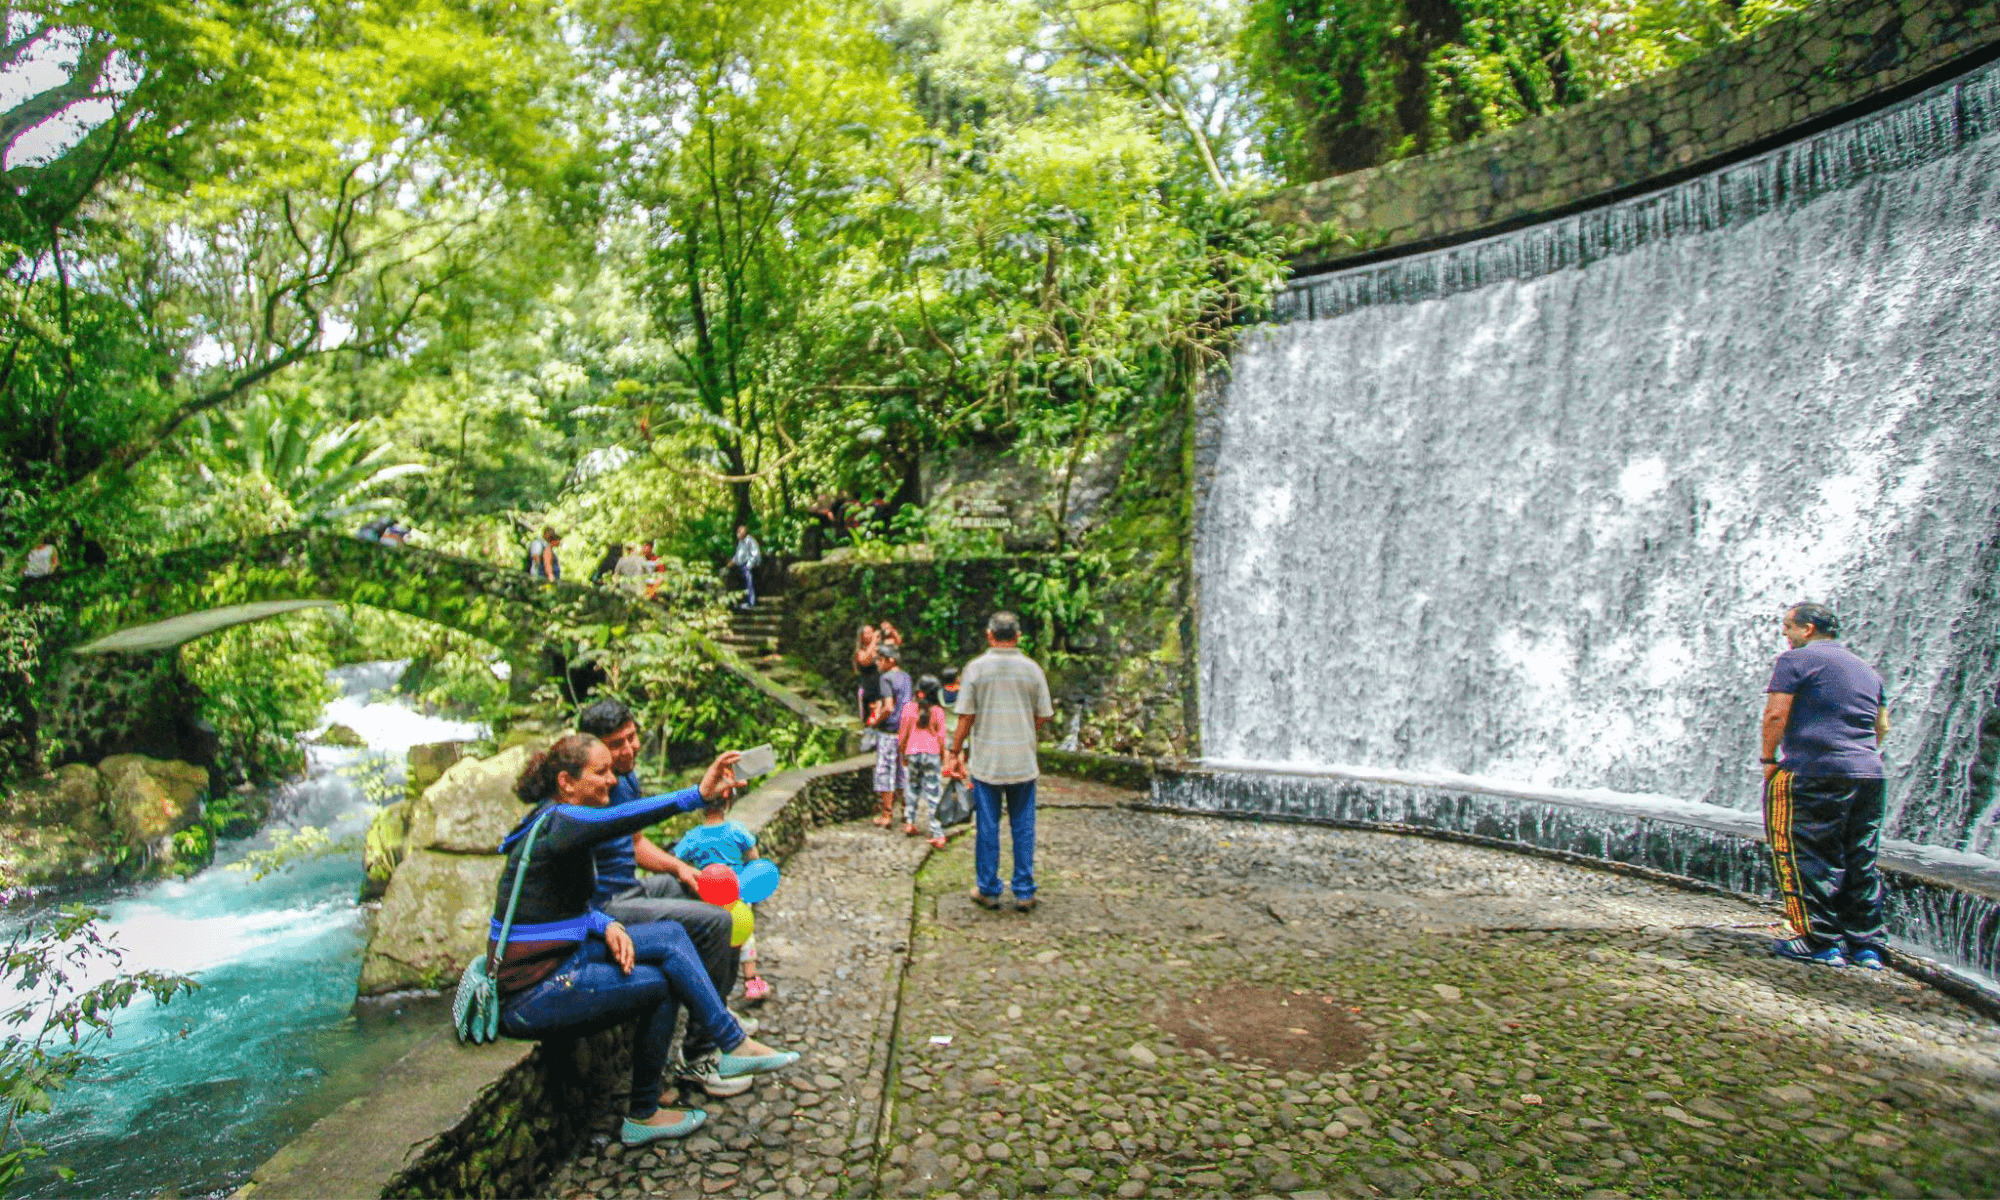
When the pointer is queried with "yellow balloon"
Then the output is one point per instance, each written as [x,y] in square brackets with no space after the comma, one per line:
[742,923]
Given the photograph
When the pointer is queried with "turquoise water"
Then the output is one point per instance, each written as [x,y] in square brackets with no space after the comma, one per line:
[195,1094]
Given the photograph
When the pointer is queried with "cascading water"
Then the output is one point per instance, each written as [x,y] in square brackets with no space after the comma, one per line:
[1527,510]
[215,1082]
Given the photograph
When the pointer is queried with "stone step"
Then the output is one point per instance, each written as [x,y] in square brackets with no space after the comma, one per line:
[739,641]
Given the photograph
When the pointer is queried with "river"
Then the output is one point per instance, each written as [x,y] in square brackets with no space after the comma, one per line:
[193,1095]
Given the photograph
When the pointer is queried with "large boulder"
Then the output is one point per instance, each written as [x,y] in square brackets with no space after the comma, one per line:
[152,798]
[72,798]
[382,850]
[41,856]
[434,920]
[471,807]
[427,763]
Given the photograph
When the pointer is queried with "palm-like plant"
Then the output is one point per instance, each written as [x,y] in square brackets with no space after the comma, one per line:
[325,471]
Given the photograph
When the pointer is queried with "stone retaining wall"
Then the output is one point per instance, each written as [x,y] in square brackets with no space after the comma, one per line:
[494,1120]
[1825,65]
[940,606]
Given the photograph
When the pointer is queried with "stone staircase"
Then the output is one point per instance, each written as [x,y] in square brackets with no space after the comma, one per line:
[756,637]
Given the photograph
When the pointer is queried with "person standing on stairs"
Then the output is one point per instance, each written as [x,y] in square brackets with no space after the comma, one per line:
[746,558]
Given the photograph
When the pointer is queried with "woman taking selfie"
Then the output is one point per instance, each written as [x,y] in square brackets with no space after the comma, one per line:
[571,970]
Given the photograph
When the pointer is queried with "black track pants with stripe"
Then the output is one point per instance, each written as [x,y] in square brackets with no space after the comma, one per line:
[1825,831]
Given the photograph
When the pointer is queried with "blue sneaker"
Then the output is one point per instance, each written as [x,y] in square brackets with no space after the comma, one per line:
[1800,950]
[1868,958]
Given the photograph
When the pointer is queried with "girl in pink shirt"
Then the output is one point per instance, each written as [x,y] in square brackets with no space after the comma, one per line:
[920,736]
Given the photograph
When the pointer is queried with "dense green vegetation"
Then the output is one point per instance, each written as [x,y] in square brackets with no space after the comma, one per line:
[1353,83]
[649,271]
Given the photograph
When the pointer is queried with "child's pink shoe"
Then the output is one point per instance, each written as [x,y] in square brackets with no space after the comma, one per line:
[756,989]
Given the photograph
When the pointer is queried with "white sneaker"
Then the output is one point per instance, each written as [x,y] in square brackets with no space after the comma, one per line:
[750,1024]
[706,1073]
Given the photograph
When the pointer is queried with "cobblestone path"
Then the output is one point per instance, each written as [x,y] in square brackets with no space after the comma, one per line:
[832,941]
[1204,1007]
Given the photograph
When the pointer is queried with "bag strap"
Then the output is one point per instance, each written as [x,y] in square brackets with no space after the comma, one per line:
[520,873]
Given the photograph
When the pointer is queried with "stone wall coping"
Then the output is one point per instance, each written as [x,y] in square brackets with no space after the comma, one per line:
[365,1145]
[1829,63]
[762,806]
[360,1148]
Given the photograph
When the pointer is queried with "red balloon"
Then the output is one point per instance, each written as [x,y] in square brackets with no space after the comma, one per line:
[717,885]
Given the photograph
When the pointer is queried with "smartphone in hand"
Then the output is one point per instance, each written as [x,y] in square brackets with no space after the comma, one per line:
[758,760]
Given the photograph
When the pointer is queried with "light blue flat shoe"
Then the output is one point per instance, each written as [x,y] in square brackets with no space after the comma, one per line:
[637,1134]
[755,1064]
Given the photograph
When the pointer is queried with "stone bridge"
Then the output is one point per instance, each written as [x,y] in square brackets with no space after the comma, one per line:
[139,605]
[108,682]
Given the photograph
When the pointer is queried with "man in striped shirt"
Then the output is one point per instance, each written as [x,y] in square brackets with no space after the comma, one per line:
[1005,693]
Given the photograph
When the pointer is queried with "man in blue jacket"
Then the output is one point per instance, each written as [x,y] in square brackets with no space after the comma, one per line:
[667,894]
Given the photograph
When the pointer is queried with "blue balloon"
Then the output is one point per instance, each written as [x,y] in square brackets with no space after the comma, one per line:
[757,880]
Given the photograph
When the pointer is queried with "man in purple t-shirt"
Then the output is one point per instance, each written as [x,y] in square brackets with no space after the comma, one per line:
[1823,800]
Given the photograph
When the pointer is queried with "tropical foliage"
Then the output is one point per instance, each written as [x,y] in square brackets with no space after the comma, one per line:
[294,465]
[1353,83]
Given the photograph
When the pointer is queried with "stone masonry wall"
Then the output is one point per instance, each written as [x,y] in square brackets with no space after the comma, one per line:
[1831,62]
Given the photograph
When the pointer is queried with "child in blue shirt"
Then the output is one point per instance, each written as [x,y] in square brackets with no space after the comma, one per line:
[720,840]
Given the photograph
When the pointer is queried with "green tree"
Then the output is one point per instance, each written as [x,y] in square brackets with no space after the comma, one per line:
[744,123]
[1349,84]
[259,185]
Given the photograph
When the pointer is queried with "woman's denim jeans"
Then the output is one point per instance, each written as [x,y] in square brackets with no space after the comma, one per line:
[589,993]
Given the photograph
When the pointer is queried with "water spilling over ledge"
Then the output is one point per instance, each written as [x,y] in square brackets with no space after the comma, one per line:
[1528,510]
[1929,127]
[1942,905]
[1492,541]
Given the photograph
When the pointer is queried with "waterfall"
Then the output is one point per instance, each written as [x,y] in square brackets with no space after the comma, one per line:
[1527,510]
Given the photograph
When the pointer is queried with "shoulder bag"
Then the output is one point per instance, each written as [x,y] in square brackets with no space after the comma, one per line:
[475,1007]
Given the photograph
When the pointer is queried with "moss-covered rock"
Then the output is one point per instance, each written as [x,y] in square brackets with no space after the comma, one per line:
[471,807]
[342,736]
[425,764]
[152,798]
[72,797]
[382,850]
[51,856]
[433,921]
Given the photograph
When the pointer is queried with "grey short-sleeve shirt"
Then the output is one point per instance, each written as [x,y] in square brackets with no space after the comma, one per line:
[1006,691]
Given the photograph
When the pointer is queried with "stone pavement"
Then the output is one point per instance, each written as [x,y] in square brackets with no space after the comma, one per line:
[1206,1007]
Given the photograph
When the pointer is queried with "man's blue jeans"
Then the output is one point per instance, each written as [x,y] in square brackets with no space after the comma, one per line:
[749,586]
[1020,800]
[588,993]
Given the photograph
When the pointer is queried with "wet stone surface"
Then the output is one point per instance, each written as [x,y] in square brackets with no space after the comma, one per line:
[1524,1028]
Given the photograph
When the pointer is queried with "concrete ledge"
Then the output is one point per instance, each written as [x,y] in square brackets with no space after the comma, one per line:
[1118,770]
[1943,909]
[495,1120]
